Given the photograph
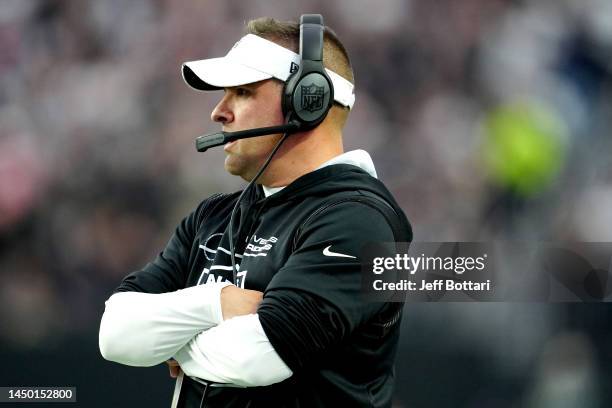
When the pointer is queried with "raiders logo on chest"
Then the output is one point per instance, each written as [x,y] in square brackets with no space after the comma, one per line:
[253,272]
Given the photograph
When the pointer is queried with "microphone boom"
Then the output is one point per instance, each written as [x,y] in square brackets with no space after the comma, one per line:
[207,141]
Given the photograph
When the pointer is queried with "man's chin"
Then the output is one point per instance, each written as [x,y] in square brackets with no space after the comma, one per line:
[235,170]
[231,169]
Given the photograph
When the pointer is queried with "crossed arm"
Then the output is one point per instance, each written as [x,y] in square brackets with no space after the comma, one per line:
[208,331]
[224,334]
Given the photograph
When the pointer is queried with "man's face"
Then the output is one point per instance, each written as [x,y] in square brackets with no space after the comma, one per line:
[246,107]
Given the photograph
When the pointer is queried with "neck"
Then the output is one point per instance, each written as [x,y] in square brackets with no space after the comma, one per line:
[300,154]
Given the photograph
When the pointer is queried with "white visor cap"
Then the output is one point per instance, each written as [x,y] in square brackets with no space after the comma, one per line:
[254,59]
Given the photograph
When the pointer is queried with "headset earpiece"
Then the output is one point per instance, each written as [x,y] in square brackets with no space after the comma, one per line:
[308,94]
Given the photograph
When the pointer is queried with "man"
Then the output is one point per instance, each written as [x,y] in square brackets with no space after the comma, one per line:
[290,328]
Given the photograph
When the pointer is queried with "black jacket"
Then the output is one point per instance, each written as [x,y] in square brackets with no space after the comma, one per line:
[312,311]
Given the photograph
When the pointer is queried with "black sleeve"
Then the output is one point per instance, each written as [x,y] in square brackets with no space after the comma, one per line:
[314,302]
[169,271]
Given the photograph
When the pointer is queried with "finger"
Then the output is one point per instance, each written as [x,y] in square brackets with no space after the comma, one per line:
[174,371]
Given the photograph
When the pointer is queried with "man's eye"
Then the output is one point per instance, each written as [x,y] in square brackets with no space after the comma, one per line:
[242,92]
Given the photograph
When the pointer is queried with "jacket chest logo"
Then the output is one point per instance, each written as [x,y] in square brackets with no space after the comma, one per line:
[259,246]
[220,267]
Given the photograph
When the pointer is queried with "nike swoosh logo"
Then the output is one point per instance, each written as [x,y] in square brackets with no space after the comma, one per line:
[327,252]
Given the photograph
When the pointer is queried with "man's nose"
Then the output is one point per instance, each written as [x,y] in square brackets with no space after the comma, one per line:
[222,113]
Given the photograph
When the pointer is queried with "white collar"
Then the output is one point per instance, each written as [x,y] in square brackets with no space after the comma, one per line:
[359,158]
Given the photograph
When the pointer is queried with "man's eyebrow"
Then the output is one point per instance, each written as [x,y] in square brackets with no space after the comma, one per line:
[246,86]
[252,85]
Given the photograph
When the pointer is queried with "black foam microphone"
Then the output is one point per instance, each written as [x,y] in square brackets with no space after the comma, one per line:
[207,141]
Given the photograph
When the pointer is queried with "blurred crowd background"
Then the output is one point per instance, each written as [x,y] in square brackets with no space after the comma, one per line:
[488,120]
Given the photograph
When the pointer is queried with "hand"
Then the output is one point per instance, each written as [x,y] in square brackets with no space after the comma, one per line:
[238,302]
[175,368]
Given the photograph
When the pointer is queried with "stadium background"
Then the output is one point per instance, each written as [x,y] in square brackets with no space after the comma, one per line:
[488,119]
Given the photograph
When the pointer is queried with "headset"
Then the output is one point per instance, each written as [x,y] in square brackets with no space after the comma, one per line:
[308,93]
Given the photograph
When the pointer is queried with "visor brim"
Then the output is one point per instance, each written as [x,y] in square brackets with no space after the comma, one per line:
[217,73]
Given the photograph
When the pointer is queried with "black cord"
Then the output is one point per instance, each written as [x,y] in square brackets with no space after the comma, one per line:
[231,222]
